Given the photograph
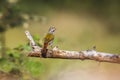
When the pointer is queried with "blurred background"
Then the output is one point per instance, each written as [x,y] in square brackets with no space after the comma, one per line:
[80,24]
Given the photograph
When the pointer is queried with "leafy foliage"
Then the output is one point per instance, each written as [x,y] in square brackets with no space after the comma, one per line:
[10,16]
[37,40]
[18,63]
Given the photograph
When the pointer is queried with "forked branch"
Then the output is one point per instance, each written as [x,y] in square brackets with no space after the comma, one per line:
[64,54]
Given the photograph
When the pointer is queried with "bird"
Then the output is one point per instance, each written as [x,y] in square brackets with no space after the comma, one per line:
[48,40]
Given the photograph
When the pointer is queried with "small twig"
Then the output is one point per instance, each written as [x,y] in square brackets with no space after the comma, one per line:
[32,42]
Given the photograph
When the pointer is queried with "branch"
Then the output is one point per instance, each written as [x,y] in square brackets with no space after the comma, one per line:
[82,55]
[32,42]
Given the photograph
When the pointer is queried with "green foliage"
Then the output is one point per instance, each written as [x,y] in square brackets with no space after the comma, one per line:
[13,18]
[17,61]
[24,48]
[10,16]
[37,40]
[34,67]
[2,28]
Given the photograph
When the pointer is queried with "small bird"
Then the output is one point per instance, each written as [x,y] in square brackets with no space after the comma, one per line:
[48,40]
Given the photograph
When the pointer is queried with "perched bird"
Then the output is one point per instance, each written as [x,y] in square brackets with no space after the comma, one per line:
[48,40]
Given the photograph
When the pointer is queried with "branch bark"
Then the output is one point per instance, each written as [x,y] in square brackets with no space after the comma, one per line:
[64,54]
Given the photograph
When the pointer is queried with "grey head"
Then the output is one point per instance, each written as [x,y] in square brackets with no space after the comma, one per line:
[51,30]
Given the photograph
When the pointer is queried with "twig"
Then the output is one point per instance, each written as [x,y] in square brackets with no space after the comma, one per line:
[32,42]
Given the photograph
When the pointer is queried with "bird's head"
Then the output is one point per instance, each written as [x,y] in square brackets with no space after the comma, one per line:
[51,30]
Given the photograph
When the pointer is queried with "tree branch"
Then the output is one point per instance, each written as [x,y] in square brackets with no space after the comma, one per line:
[82,55]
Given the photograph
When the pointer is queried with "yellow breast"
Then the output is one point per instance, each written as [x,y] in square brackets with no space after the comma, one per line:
[48,37]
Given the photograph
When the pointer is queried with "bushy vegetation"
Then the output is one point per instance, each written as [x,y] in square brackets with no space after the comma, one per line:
[16,61]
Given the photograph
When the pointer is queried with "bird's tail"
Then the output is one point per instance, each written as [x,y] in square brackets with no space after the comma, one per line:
[45,46]
[44,50]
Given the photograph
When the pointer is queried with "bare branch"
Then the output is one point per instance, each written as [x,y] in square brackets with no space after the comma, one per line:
[32,42]
[82,55]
